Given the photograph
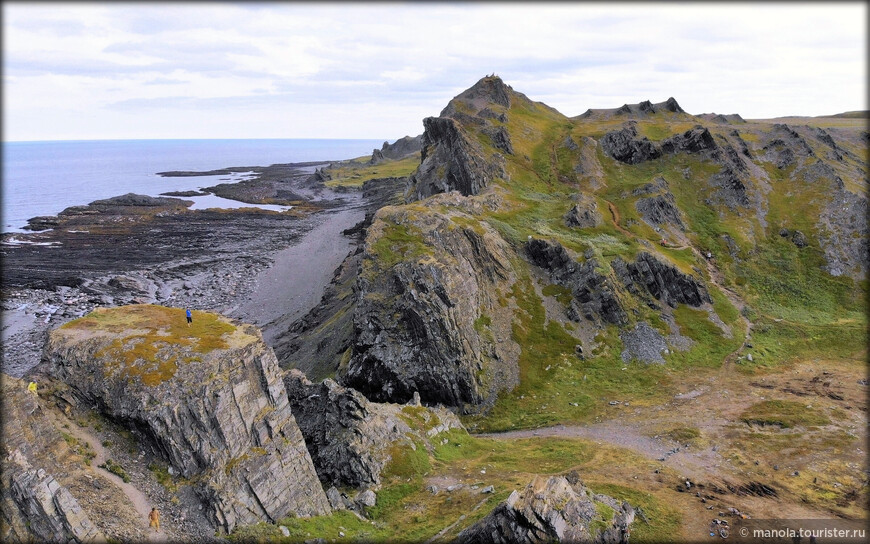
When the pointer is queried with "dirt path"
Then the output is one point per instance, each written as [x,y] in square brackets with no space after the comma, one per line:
[140,501]
[694,463]
[614,217]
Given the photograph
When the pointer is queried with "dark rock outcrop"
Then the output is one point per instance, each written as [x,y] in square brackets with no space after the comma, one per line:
[671,105]
[348,437]
[593,297]
[427,318]
[663,281]
[401,148]
[730,189]
[584,213]
[625,146]
[451,161]
[500,139]
[660,210]
[213,405]
[694,140]
[552,510]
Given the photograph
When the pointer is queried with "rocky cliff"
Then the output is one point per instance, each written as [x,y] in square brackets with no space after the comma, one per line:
[349,438]
[48,493]
[209,399]
[428,319]
[553,510]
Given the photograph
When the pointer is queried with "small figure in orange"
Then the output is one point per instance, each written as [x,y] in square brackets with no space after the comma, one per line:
[154,518]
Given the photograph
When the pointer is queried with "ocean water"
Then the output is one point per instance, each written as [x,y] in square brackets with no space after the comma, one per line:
[43,178]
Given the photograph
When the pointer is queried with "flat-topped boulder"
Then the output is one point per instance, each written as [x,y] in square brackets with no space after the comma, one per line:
[207,397]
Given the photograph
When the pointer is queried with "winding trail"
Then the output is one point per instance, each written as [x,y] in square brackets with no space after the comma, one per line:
[139,500]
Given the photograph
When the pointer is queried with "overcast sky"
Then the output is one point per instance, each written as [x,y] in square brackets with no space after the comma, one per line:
[375,70]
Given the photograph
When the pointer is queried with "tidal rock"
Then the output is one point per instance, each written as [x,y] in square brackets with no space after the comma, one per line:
[625,146]
[348,437]
[553,510]
[452,161]
[209,400]
[427,317]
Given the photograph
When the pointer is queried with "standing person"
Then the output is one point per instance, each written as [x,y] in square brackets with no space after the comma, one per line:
[189,317]
[154,518]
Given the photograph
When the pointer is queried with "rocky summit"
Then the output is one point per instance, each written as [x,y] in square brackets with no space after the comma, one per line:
[633,323]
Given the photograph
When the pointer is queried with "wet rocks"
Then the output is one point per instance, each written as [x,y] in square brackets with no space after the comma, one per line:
[427,317]
[552,510]
[625,146]
[211,403]
[348,437]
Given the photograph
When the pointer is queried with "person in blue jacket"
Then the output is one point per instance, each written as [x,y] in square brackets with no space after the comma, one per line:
[189,317]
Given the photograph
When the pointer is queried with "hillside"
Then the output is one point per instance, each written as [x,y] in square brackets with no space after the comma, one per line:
[635,321]
[639,271]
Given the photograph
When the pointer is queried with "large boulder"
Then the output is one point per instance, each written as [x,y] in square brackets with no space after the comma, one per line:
[553,510]
[208,398]
[428,317]
[348,437]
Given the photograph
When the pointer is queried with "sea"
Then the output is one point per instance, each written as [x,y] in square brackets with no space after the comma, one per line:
[44,178]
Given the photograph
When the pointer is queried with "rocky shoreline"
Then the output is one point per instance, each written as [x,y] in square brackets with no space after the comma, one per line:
[135,249]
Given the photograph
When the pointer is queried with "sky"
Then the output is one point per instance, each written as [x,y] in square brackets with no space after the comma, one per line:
[82,71]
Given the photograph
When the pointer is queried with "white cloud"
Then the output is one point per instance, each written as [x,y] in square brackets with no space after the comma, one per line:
[344,70]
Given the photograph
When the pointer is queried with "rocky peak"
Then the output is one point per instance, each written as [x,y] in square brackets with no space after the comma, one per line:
[671,105]
[487,91]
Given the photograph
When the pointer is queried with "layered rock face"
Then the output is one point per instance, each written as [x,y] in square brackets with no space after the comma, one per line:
[451,161]
[349,438]
[664,282]
[626,146]
[428,317]
[210,401]
[593,298]
[35,505]
[399,149]
[553,510]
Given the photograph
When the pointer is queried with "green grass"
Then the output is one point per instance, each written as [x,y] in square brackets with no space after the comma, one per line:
[157,338]
[396,244]
[116,469]
[355,173]
[783,413]
[664,520]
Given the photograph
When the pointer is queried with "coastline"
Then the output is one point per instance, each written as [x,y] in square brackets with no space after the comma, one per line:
[238,261]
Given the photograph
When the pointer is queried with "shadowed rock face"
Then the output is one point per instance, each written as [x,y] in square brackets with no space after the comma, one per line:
[584,213]
[431,322]
[451,161]
[625,146]
[593,298]
[660,210]
[664,282]
[551,510]
[349,438]
[222,415]
[692,141]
